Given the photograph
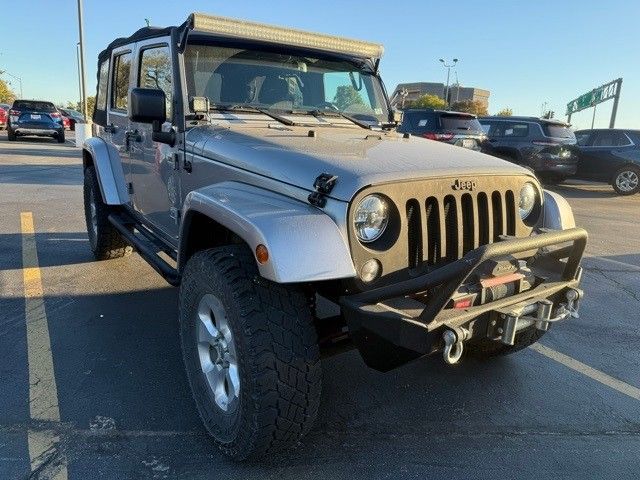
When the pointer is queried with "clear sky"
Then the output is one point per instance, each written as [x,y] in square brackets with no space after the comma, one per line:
[525,53]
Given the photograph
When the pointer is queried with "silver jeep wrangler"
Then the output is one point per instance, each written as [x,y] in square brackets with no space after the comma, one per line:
[259,169]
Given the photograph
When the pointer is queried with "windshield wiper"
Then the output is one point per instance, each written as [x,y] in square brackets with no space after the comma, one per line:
[252,109]
[337,113]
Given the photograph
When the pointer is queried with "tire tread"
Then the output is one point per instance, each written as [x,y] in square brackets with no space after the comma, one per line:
[284,369]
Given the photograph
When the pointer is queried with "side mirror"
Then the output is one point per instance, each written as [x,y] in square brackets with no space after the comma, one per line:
[147,105]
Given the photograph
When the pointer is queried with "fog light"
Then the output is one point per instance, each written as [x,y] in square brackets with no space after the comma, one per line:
[370,270]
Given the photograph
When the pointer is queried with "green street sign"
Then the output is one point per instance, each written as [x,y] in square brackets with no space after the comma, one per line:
[595,96]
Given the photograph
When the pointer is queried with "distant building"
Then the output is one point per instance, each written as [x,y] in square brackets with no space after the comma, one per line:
[407,92]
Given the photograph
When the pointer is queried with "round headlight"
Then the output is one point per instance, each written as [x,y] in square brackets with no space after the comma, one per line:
[528,200]
[371,218]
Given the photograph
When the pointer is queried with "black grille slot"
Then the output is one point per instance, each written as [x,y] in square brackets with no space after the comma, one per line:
[468,223]
[483,218]
[496,205]
[414,233]
[451,227]
[433,230]
[511,213]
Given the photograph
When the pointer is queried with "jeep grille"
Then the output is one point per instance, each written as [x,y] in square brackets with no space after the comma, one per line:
[438,223]
[447,228]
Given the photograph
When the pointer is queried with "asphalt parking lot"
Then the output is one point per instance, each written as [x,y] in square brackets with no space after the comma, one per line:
[120,407]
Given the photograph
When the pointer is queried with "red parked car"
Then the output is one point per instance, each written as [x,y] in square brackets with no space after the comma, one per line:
[4,113]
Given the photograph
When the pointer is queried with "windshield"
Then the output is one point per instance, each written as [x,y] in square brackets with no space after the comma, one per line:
[557,130]
[283,83]
[34,105]
[460,122]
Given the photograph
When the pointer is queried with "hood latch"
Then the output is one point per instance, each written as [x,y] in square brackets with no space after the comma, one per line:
[323,184]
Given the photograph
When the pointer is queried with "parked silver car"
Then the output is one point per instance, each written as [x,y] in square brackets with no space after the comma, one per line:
[259,168]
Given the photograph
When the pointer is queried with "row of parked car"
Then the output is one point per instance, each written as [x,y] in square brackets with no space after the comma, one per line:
[66,116]
[547,146]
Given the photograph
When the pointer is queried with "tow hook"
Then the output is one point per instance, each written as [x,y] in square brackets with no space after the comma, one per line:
[453,344]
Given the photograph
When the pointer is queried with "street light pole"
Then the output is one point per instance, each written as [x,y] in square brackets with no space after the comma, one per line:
[83,89]
[79,76]
[448,67]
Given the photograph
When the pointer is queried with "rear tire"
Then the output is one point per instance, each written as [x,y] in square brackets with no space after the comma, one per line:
[626,181]
[11,135]
[490,348]
[60,137]
[268,396]
[105,241]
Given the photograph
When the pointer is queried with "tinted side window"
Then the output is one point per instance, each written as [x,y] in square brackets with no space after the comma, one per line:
[611,139]
[156,72]
[516,130]
[582,138]
[419,121]
[120,81]
[103,79]
[486,127]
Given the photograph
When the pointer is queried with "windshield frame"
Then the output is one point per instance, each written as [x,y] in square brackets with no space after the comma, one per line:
[364,65]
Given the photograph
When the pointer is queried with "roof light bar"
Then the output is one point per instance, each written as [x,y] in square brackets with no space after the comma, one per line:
[230,27]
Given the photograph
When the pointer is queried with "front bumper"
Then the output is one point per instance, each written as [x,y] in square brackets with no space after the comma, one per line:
[390,326]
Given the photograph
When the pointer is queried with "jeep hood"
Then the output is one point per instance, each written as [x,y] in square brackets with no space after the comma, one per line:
[358,157]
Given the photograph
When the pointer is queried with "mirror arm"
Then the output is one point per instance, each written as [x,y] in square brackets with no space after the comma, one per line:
[162,137]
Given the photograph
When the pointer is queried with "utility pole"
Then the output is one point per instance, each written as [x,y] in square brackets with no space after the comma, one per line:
[448,67]
[83,89]
[593,119]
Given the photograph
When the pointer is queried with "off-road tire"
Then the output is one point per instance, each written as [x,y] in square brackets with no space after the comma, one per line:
[106,242]
[11,135]
[276,348]
[620,171]
[489,348]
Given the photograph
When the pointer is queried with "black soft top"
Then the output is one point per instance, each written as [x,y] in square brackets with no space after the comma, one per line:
[142,34]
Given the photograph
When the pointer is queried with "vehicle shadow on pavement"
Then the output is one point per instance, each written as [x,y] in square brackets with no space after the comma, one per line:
[63,248]
[41,174]
[118,363]
[36,151]
[591,190]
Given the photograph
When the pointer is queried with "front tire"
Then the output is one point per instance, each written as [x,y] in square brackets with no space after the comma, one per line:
[250,351]
[105,241]
[626,181]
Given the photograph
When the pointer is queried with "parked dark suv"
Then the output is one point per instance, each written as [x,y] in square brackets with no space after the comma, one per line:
[456,128]
[612,156]
[35,117]
[545,146]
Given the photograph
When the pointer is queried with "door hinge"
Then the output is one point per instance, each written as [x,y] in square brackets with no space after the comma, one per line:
[130,187]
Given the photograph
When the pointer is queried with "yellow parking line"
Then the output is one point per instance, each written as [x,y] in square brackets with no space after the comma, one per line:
[43,392]
[590,372]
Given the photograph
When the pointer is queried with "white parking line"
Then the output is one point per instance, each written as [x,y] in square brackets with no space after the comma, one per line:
[588,371]
[43,392]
